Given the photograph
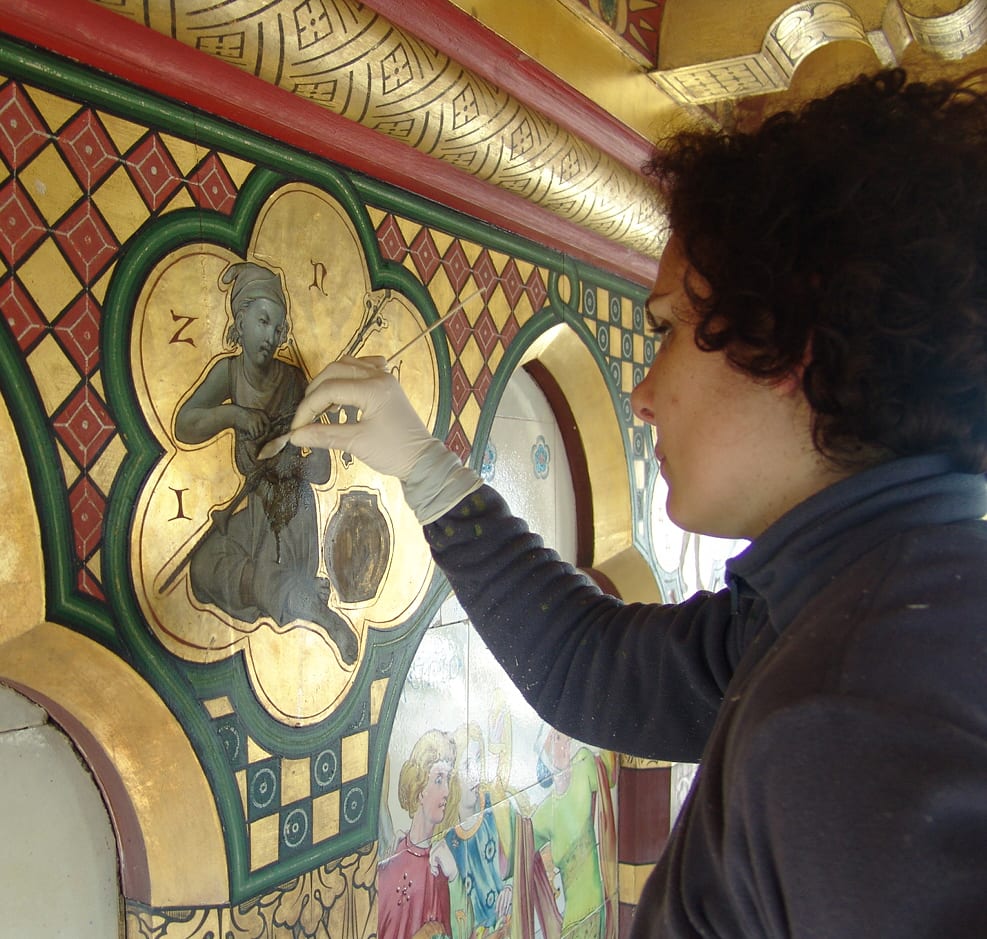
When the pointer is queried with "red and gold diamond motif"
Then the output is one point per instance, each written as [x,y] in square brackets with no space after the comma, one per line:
[22,131]
[22,315]
[87,241]
[425,255]
[211,186]
[88,150]
[21,228]
[457,267]
[84,426]
[391,240]
[78,329]
[87,506]
[153,171]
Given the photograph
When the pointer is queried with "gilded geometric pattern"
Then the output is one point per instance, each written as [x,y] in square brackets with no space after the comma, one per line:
[635,25]
[344,57]
[804,27]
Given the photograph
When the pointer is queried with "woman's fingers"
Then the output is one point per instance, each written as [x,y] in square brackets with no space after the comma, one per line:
[343,382]
[320,436]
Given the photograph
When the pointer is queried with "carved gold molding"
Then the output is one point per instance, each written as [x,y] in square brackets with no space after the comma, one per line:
[808,26]
[348,59]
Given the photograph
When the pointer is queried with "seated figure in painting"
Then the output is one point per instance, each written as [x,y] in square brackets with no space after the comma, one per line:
[260,558]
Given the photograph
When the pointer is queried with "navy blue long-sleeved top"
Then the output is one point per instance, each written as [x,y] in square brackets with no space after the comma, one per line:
[835,696]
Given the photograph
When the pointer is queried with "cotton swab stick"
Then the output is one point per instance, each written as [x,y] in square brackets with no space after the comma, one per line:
[274,446]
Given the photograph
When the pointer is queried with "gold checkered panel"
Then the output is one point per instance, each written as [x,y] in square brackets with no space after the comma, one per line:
[292,804]
[617,323]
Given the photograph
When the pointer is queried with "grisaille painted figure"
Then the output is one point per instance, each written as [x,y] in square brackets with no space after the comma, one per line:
[260,556]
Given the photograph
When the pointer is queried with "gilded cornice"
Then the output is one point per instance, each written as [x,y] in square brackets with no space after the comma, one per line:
[807,26]
[346,58]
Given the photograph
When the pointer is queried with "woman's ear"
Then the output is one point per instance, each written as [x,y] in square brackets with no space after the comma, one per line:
[792,382]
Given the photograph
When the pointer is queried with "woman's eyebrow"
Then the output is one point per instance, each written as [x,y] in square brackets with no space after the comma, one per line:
[658,295]
[654,297]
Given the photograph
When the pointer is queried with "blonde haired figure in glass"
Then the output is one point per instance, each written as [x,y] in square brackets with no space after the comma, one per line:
[413,883]
[261,556]
[480,843]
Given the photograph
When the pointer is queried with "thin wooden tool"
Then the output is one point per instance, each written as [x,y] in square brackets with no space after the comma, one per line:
[276,444]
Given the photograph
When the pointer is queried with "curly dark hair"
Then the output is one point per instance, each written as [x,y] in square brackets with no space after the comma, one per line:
[851,235]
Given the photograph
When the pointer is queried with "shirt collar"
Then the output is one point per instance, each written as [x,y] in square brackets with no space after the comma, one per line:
[808,546]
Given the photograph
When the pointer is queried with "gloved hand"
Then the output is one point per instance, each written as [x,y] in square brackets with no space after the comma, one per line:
[389,437]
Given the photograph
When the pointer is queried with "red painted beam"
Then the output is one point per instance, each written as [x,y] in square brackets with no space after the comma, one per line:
[94,36]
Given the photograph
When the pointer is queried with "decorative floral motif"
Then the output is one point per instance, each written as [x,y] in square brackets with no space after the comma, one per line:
[488,469]
[540,457]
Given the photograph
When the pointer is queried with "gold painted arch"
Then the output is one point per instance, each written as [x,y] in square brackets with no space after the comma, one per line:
[115,719]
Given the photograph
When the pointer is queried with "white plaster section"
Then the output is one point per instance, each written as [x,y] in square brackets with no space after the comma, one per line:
[547,503]
[532,469]
[58,869]
[17,713]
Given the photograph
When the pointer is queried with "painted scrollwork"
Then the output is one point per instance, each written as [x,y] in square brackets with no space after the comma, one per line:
[337,899]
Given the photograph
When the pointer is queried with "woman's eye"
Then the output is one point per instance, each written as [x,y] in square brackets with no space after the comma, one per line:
[658,328]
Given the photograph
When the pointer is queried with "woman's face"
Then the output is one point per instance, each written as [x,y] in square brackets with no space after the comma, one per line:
[736,453]
[261,330]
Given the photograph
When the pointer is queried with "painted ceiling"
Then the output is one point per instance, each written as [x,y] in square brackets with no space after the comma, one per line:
[558,101]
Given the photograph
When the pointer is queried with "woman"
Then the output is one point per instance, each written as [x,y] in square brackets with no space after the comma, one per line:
[820,388]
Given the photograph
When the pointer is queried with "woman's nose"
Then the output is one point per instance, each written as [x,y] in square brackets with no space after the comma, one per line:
[641,398]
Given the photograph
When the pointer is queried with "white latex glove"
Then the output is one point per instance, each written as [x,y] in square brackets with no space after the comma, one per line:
[389,436]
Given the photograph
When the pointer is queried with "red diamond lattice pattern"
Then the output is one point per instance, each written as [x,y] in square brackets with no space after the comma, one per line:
[78,329]
[212,187]
[88,507]
[22,131]
[82,423]
[483,329]
[153,172]
[87,242]
[84,426]
[21,228]
[88,149]
[21,314]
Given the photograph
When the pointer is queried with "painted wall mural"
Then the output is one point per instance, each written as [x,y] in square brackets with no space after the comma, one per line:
[491,822]
[168,285]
